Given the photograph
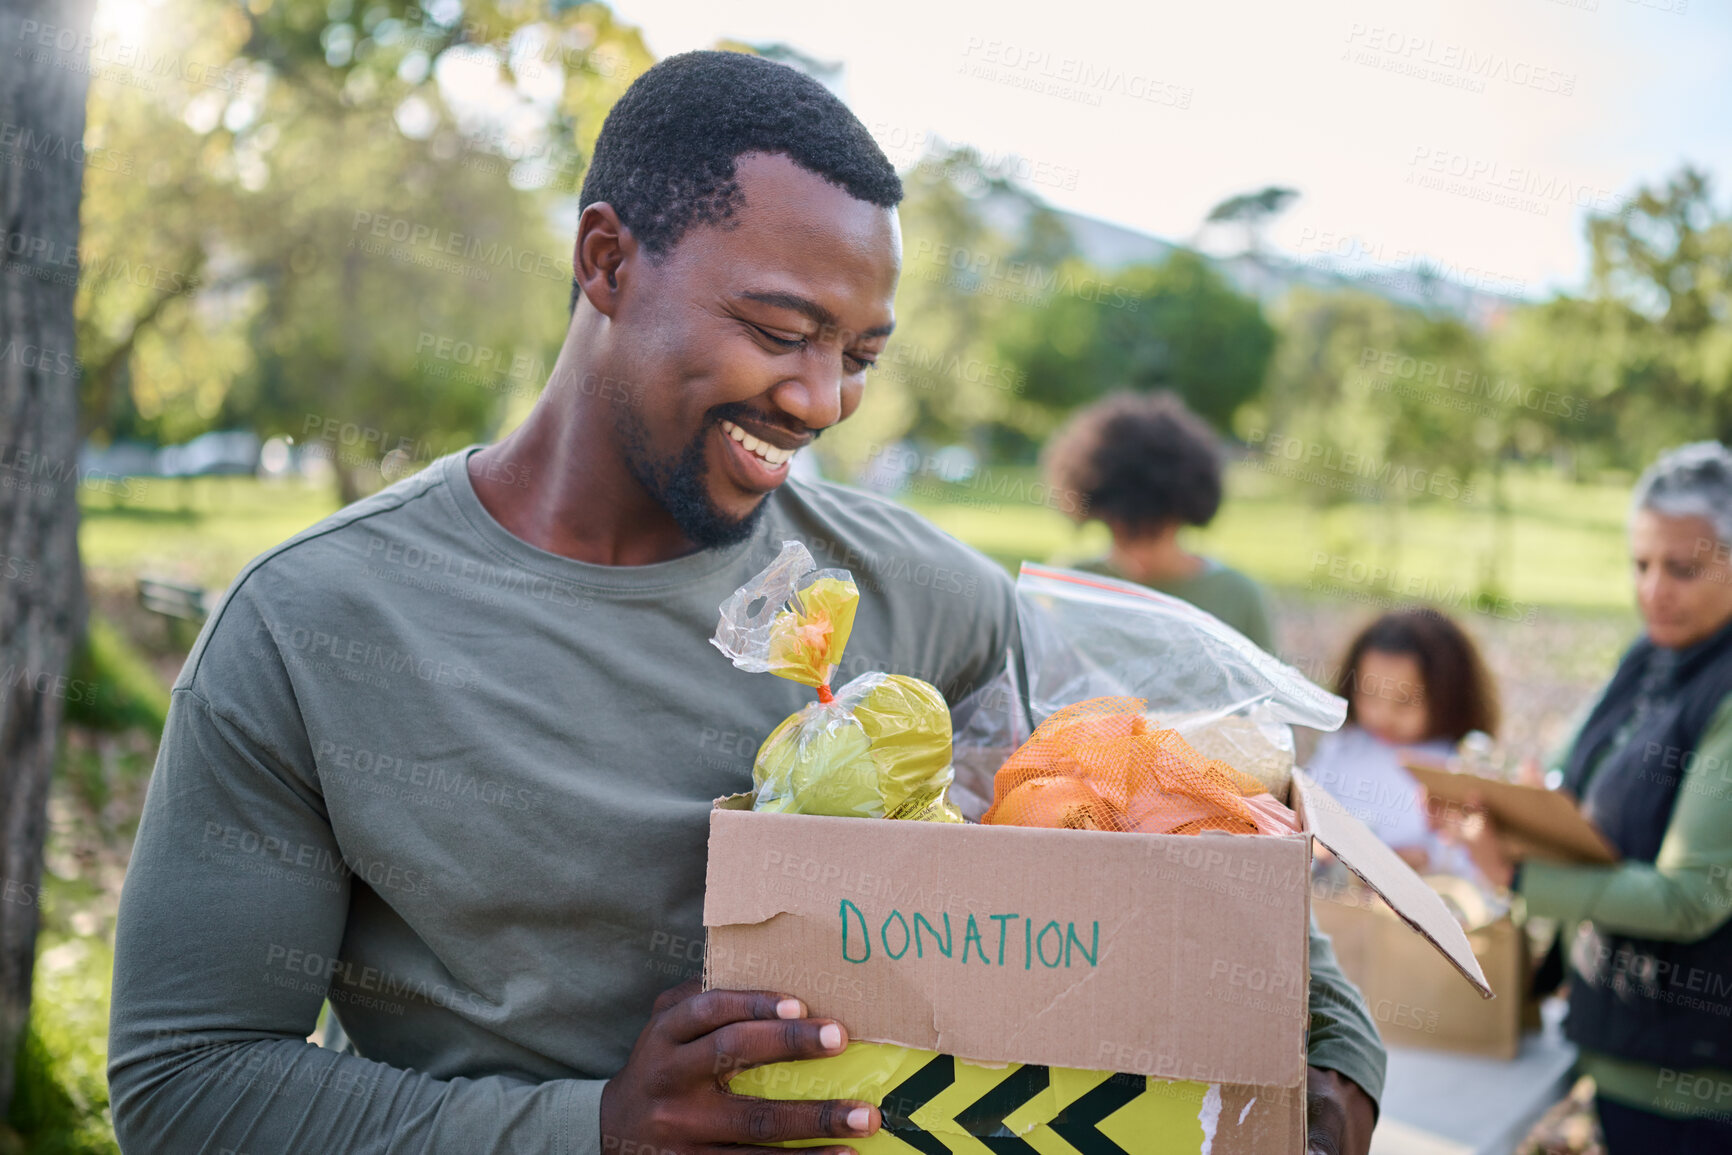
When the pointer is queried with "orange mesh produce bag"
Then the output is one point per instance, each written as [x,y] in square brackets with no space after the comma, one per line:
[1101,765]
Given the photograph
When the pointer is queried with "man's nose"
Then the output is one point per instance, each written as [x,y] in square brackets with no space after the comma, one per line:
[813,396]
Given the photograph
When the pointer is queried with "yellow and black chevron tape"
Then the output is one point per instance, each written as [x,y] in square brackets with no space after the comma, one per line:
[935,1104]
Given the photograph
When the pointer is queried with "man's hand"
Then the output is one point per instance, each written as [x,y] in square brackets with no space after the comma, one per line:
[672,1096]
[1341,1114]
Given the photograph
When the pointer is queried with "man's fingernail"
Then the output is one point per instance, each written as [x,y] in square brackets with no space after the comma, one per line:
[790,1009]
[831,1036]
[859,1119]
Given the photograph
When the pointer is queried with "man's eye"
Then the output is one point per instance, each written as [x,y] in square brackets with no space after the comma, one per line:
[860,364]
[784,342]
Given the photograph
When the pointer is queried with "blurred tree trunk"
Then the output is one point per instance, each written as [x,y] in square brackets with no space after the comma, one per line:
[45,48]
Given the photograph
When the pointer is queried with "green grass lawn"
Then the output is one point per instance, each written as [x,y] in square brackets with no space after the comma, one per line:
[1563,544]
[200,530]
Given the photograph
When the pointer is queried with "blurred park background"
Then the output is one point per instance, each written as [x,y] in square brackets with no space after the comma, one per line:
[324,242]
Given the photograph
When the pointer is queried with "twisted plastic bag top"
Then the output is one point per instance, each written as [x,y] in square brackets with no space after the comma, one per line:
[1101,765]
[792,620]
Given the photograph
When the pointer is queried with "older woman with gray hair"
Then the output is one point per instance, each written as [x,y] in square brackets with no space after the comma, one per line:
[1650,960]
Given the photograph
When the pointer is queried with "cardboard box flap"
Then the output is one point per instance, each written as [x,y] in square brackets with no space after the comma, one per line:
[1382,870]
[1539,823]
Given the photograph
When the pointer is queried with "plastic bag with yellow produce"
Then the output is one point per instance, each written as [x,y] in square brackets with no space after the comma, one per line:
[877,748]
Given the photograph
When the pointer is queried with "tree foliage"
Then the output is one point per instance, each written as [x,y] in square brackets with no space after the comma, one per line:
[1648,353]
[1174,325]
[351,234]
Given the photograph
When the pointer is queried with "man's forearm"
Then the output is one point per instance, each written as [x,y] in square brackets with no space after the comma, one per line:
[207,1047]
[282,1096]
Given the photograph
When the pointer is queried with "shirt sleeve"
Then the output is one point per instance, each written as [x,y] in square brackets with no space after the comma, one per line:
[204,1055]
[1342,1036]
[1685,894]
[1257,624]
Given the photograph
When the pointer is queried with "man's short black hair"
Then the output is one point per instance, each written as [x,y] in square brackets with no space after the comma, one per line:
[665,156]
[1140,461]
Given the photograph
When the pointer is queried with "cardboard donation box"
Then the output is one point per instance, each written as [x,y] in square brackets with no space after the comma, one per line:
[1417,999]
[1080,991]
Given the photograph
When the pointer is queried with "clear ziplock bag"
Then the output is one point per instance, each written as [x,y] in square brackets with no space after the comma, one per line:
[1086,637]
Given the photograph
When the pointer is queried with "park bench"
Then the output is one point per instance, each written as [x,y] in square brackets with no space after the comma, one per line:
[174,599]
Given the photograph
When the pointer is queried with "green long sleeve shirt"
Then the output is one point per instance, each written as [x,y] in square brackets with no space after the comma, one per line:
[460,788]
[1684,895]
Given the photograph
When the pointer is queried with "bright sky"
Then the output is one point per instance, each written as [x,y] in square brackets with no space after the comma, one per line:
[1470,133]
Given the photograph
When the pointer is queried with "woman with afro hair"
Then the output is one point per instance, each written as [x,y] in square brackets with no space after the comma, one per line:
[1146,467]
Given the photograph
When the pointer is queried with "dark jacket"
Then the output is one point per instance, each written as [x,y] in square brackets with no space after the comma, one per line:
[1667,1003]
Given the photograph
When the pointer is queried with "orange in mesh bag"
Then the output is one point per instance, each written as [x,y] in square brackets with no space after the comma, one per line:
[1101,765]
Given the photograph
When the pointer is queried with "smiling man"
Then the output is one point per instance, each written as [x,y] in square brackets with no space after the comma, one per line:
[446,758]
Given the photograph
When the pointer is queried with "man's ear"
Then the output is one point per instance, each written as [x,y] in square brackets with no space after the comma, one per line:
[604,246]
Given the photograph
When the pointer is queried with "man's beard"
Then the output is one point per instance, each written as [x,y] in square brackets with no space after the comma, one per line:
[677,483]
